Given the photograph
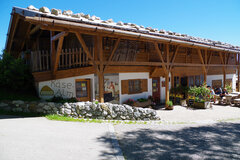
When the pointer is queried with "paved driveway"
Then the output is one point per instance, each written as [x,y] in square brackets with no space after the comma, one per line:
[219,141]
[42,139]
[183,114]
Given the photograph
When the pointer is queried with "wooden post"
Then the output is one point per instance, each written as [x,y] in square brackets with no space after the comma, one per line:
[166,88]
[101,73]
[172,80]
[238,80]
[53,49]
[205,78]
[238,72]
[224,78]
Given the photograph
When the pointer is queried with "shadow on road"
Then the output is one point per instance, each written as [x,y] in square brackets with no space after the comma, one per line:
[219,141]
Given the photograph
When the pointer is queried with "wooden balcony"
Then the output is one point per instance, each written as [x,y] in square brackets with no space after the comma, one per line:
[69,58]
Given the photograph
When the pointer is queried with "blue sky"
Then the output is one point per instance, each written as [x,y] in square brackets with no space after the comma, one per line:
[212,19]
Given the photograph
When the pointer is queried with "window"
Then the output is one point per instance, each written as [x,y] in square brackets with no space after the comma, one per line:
[176,81]
[134,86]
[191,81]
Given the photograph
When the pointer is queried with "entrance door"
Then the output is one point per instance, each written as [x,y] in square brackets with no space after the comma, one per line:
[83,89]
[156,89]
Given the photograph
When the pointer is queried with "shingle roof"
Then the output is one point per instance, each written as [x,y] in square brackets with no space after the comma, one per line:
[86,18]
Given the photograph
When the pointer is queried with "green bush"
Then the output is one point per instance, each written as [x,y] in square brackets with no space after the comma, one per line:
[169,103]
[62,100]
[15,75]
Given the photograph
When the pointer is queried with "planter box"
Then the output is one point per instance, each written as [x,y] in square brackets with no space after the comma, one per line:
[142,104]
[202,105]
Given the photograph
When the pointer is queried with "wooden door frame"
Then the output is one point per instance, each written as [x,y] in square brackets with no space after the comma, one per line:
[158,85]
[88,89]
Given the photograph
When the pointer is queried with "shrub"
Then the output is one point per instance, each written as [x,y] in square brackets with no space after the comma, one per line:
[59,99]
[129,102]
[169,103]
[15,75]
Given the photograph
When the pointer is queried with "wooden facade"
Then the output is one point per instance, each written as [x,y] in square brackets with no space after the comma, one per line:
[58,48]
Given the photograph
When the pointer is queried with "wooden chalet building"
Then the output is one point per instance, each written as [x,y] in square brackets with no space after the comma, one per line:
[78,55]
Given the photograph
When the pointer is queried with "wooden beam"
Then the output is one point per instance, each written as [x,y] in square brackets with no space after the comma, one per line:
[57,57]
[58,36]
[34,30]
[114,50]
[167,54]
[174,57]
[83,44]
[161,58]
[26,36]
[202,61]
[126,63]
[47,75]
[209,60]
[12,33]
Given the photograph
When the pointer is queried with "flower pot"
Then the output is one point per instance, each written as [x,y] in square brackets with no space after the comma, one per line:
[202,105]
[169,107]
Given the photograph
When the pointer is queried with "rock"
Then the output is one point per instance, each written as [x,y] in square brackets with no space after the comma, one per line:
[153,113]
[87,108]
[18,109]
[46,108]
[56,11]
[93,107]
[3,105]
[137,114]
[55,110]
[104,113]
[41,104]
[39,110]
[129,109]
[123,117]
[44,10]
[18,102]
[120,23]
[67,13]
[92,18]
[108,117]
[97,18]
[114,115]
[31,7]
[77,15]
[51,104]
[67,111]
[66,105]
[87,16]
[110,21]
[89,115]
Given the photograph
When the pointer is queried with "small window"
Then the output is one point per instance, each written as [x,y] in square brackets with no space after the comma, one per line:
[134,86]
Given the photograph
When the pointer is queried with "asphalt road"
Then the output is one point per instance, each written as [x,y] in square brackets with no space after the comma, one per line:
[42,139]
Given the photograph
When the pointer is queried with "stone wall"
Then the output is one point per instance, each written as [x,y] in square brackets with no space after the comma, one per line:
[82,110]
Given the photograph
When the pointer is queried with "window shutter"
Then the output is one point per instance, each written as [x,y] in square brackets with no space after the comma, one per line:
[124,86]
[144,83]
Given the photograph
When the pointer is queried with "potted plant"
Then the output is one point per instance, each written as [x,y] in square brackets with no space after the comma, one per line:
[169,105]
[202,96]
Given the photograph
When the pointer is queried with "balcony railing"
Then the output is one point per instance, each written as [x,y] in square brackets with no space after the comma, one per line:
[69,58]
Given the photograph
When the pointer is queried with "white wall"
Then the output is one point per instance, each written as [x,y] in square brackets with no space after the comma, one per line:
[126,76]
[220,77]
[66,87]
